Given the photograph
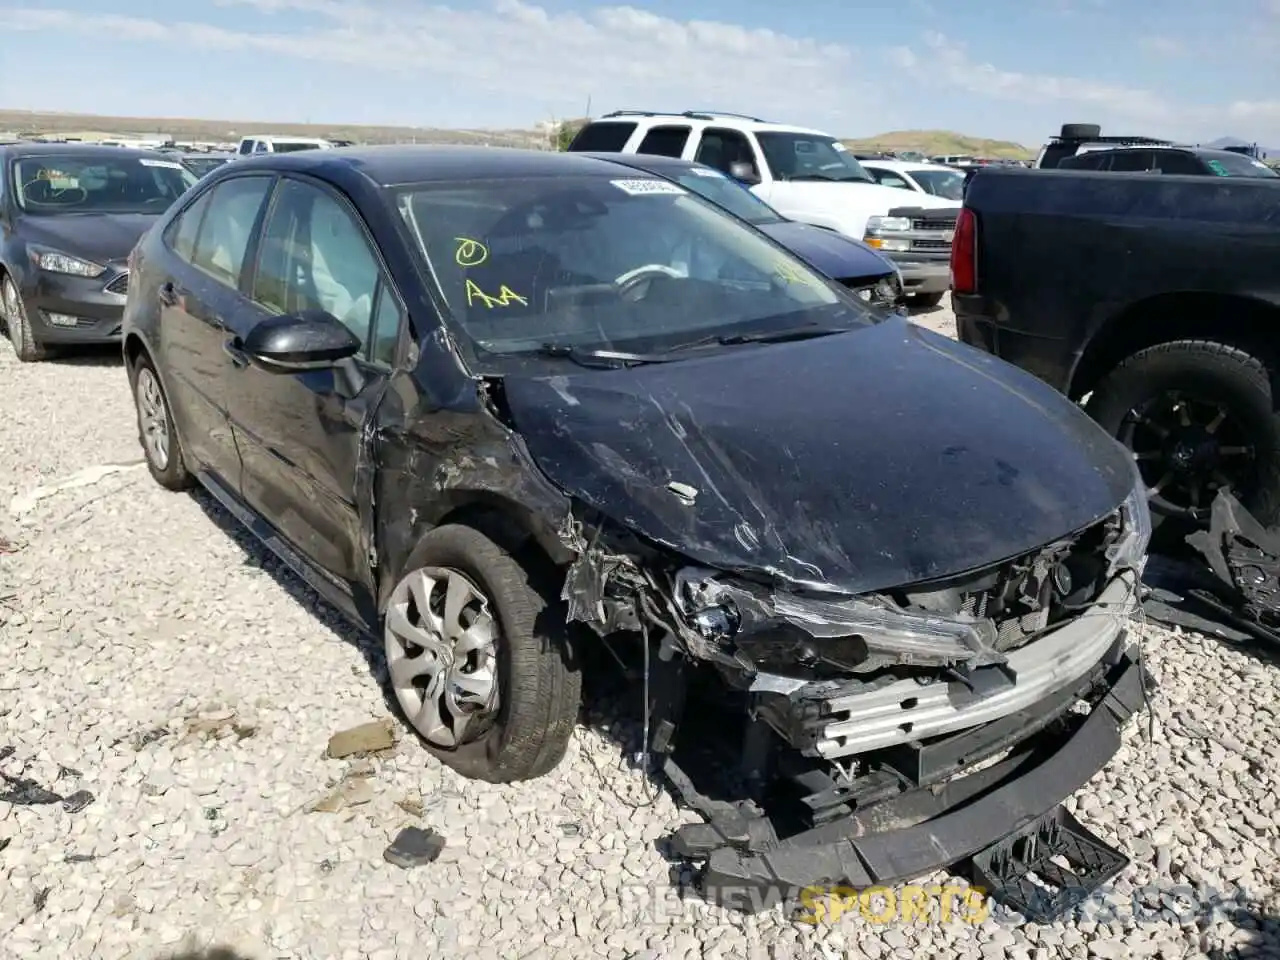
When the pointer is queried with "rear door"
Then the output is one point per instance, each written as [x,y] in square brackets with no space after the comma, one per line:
[207,245]
[301,434]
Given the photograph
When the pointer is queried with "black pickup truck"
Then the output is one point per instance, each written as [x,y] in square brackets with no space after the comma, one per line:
[1152,299]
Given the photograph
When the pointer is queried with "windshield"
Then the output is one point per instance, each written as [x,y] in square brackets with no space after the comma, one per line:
[1237,165]
[730,194]
[805,156]
[948,184]
[620,263]
[292,146]
[70,184]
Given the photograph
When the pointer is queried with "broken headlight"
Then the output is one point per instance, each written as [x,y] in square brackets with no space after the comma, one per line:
[847,633]
[1129,552]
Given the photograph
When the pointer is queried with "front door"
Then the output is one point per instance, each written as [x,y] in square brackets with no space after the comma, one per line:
[208,242]
[301,435]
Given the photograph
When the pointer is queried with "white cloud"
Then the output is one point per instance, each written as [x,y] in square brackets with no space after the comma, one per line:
[1139,110]
[1165,46]
[621,56]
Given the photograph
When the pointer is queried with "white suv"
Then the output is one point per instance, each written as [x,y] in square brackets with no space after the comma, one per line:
[806,175]
[263,143]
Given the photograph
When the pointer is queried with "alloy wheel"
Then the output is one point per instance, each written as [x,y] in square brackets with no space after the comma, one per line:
[441,647]
[153,418]
[1187,449]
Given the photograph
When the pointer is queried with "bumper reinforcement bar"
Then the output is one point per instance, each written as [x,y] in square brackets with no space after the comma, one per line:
[970,819]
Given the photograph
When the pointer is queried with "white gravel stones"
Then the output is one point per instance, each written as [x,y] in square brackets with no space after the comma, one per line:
[147,644]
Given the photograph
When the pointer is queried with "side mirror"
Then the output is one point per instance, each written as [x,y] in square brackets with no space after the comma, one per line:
[311,340]
[744,173]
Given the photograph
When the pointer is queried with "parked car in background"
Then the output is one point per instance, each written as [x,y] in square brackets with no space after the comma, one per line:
[69,215]
[868,274]
[1176,352]
[953,159]
[805,175]
[1074,138]
[1174,161]
[930,178]
[271,143]
[204,163]
[488,404]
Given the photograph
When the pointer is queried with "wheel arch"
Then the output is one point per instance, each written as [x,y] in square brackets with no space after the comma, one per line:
[1246,322]
[519,529]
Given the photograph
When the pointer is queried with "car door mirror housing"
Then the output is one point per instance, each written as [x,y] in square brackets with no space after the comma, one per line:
[311,340]
[744,173]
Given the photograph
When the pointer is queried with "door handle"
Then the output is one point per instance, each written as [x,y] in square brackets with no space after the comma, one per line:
[168,294]
[234,348]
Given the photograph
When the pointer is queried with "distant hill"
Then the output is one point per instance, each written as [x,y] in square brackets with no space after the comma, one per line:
[933,143]
[85,126]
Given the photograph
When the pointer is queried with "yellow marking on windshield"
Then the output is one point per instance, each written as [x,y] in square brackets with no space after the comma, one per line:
[790,273]
[506,296]
[470,253]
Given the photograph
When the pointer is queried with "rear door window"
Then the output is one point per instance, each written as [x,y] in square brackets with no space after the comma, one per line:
[1133,161]
[228,225]
[602,137]
[722,148]
[665,141]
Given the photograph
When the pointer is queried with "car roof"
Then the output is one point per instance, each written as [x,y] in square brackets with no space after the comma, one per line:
[707,118]
[400,164]
[30,148]
[655,163]
[283,136]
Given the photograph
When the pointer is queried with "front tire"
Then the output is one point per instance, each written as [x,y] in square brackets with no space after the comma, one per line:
[479,659]
[18,324]
[156,430]
[1198,416]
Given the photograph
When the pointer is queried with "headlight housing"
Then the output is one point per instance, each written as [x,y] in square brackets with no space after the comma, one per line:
[888,290]
[1130,551]
[876,225]
[55,261]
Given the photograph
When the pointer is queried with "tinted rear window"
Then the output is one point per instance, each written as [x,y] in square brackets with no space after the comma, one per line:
[602,137]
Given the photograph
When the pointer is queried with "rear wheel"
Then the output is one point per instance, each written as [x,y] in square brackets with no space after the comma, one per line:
[479,659]
[1198,417]
[18,325]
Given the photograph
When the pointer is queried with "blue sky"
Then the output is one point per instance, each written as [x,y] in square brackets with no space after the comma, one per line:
[1183,69]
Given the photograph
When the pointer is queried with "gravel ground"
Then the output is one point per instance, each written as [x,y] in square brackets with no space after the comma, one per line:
[151,654]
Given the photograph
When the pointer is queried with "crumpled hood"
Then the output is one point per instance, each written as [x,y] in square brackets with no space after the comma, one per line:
[101,237]
[831,253]
[860,461]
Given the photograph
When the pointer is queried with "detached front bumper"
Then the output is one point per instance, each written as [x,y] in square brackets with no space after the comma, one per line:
[923,276]
[65,309]
[938,824]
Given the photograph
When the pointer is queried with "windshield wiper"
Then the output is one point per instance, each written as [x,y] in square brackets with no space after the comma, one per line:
[806,332]
[826,179]
[599,359]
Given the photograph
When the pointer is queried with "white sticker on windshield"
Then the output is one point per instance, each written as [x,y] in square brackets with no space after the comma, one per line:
[642,188]
[706,172]
[161,163]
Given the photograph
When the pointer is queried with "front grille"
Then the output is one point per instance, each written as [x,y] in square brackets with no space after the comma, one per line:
[1026,596]
[119,285]
[947,223]
[926,244]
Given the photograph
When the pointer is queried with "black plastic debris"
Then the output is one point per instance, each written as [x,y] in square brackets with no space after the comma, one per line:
[1048,868]
[414,847]
[1234,590]
[41,898]
[25,792]
[79,858]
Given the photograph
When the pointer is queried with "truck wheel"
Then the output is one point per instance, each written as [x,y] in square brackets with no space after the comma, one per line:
[1081,131]
[479,659]
[924,301]
[1198,416]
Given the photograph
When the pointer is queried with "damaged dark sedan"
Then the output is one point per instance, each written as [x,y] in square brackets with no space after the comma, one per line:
[500,406]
